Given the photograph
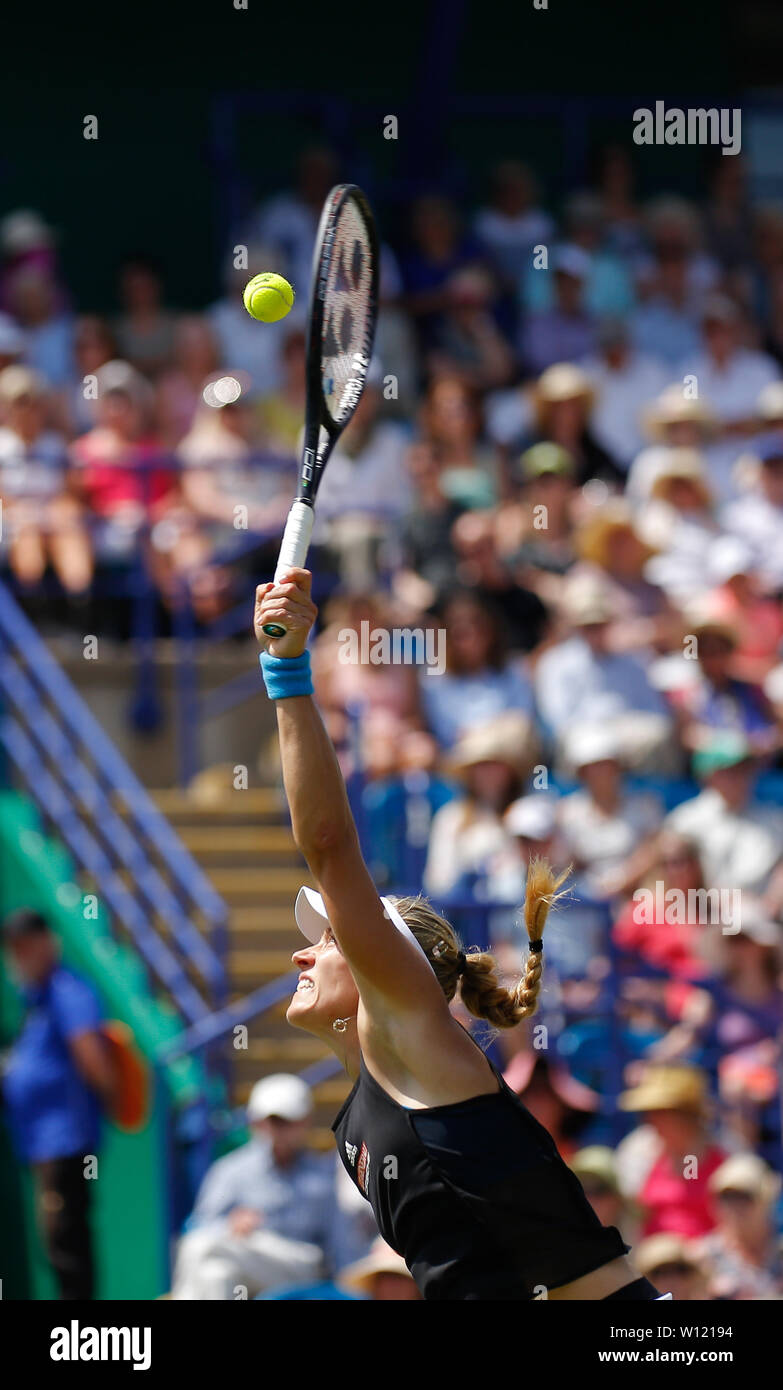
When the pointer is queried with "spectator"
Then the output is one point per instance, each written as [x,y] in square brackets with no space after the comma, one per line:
[563,400]
[11,342]
[603,827]
[554,1097]
[467,343]
[512,223]
[679,521]
[145,331]
[625,381]
[468,832]
[439,249]
[596,1169]
[264,1214]
[675,1195]
[673,1264]
[530,824]
[93,347]
[743,1253]
[364,489]
[383,696]
[27,243]
[582,678]
[250,353]
[727,219]
[732,377]
[672,945]
[624,231]
[614,555]
[739,839]
[194,360]
[41,525]
[494,578]
[715,699]
[566,332]
[756,517]
[672,284]
[607,286]
[281,412]
[674,420]
[480,682]
[117,469]
[425,533]
[451,422]
[382,1276]
[58,1078]
[535,529]
[48,329]
[756,617]
[287,222]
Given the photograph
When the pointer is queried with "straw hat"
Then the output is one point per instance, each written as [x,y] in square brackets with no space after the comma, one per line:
[769,405]
[665,1249]
[596,1161]
[380,1259]
[686,464]
[668,1088]
[562,382]
[508,738]
[17,381]
[746,1173]
[673,407]
[594,538]
[586,602]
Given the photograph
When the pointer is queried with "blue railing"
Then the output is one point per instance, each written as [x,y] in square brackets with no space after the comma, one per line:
[117,835]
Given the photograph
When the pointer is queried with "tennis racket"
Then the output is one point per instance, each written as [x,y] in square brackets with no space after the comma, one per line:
[340,335]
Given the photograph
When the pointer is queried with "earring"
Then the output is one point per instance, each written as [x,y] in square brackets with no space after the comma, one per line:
[340,1025]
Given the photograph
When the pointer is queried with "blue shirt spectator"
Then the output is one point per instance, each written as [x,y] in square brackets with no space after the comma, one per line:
[52,1111]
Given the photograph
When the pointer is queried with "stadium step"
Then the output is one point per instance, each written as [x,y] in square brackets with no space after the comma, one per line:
[243,842]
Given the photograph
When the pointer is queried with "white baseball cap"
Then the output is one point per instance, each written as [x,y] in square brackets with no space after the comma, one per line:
[311,917]
[532,816]
[283,1095]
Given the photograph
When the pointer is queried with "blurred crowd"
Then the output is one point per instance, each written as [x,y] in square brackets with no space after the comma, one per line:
[568,461]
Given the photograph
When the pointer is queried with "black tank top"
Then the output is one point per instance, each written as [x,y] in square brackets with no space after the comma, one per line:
[474,1195]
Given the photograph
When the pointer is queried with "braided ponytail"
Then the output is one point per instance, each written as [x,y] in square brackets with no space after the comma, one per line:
[482,993]
[476,974]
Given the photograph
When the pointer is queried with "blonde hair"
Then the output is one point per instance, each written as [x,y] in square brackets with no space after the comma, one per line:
[479,985]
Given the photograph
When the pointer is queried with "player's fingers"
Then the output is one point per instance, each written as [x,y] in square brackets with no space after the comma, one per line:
[301,578]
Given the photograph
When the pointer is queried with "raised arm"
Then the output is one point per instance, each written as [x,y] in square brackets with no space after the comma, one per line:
[387,967]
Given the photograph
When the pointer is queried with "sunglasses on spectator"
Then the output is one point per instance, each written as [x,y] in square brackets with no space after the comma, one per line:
[732,1197]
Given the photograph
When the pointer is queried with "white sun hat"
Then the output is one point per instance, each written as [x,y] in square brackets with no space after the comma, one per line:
[311,917]
[282,1094]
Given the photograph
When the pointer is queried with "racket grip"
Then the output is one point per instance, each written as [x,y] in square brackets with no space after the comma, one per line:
[293,550]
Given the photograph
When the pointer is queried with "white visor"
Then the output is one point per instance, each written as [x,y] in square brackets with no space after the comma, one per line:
[311,917]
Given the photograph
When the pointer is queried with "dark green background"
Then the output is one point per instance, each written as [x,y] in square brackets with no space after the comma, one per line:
[152,73]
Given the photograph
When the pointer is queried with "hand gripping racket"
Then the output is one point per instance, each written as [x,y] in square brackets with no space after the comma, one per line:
[341,330]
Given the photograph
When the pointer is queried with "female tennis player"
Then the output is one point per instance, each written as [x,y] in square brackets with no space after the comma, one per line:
[463,1181]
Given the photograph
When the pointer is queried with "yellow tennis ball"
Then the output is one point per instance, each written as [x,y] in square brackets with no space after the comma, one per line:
[268,297]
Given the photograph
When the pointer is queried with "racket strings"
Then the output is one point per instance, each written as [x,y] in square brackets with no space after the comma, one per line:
[348,314]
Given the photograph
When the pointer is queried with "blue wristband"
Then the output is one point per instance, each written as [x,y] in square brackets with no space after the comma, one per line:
[285,676]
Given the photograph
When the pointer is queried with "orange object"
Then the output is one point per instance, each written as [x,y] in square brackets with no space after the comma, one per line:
[131,1104]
